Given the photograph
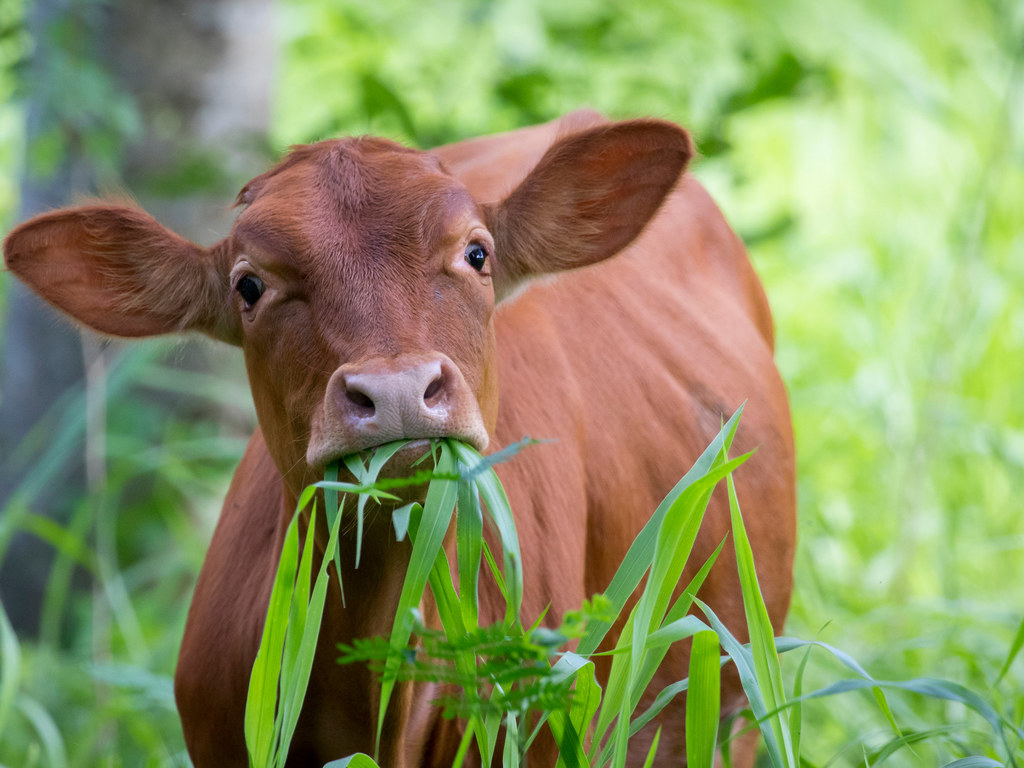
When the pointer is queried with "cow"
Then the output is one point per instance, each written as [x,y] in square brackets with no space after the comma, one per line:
[567,281]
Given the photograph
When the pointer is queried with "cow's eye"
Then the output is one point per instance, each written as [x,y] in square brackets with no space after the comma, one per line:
[476,255]
[251,288]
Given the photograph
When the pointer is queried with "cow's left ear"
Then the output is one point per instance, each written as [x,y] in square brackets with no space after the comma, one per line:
[120,272]
[587,198]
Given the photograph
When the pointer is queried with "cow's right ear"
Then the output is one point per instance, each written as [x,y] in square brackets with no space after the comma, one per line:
[120,272]
[586,199]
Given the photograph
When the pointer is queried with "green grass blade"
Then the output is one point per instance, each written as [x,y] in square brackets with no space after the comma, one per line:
[632,671]
[762,635]
[437,513]
[510,754]
[796,718]
[906,740]
[655,652]
[400,519]
[666,695]
[47,730]
[469,532]
[680,629]
[570,745]
[496,503]
[649,761]
[637,559]
[743,659]
[1018,643]
[334,509]
[703,701]
[294,634]
[938,689]
[570,730]
[299,673]
[261,701]
[10,668]
[358,760]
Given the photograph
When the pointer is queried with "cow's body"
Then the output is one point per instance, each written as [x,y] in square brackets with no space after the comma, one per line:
[629,365]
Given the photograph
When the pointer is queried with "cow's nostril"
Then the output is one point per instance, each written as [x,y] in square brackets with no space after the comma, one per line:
[434,390]
[359,399]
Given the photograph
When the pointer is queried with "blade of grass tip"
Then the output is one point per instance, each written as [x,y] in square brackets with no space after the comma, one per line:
[762,635]
[261,700]
[358,760]
[368,475]
[789,643]
[672,549]
[380,456]
[649,761]
[1018,643]
[437,514]
[361,472]
[675,537]
[334,509]
[496,574]
[678,523]
[703,701]
[469,532]
[638,558]
[679,548]
[400,519]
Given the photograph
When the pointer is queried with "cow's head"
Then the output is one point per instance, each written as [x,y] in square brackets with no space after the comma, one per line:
[360,279]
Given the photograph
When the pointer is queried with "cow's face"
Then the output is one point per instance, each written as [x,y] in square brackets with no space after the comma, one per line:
[360,279]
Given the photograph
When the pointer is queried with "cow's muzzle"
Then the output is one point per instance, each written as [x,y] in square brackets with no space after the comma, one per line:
[412,396]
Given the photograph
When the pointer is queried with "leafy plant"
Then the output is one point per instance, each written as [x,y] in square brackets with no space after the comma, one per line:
[505,671]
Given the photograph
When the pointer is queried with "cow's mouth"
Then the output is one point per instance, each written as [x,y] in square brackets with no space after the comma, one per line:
[404,459]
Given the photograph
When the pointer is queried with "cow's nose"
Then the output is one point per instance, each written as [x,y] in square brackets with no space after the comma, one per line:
[412,396]
[406,394]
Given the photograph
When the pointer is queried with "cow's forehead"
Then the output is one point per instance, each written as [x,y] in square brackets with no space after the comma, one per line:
[354,198]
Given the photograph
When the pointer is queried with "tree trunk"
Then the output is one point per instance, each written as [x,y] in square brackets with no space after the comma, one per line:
[181,121]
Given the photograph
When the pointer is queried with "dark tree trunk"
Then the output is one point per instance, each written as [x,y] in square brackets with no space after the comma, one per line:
[197,74]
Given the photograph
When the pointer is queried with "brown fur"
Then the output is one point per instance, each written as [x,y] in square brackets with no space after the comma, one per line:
[630,363]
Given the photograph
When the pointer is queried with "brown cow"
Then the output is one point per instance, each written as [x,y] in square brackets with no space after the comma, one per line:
[380,292]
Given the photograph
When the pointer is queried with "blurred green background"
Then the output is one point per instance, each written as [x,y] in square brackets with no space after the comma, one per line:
[871,154]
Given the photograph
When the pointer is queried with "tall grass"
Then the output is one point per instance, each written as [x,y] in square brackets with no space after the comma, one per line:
[507,671]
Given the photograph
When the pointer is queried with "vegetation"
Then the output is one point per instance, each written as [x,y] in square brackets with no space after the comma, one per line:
[871,154]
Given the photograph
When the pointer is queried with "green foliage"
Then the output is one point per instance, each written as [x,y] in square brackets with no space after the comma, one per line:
[870,154]
[504,671]
[97,683]
[503,674]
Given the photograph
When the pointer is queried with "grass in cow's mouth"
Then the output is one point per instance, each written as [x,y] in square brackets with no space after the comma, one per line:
[521,678]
